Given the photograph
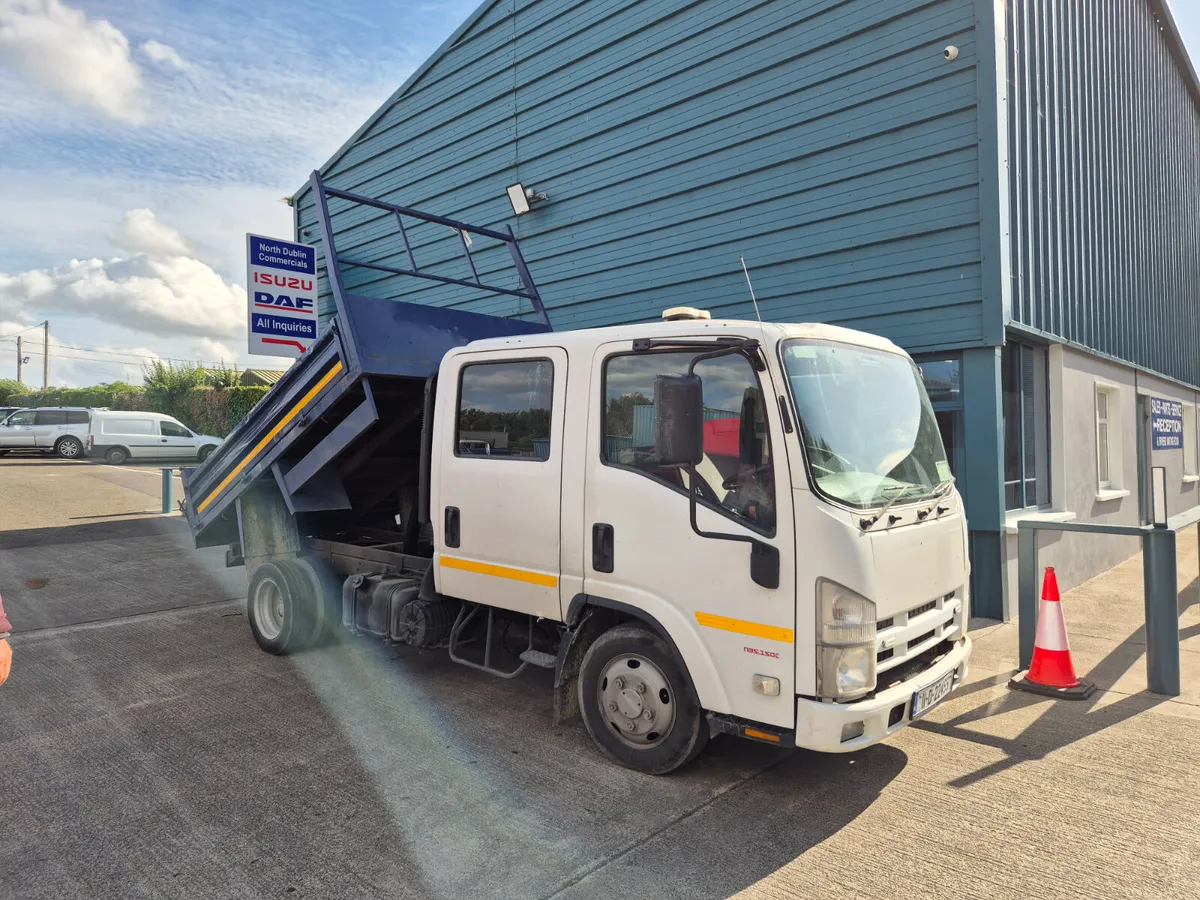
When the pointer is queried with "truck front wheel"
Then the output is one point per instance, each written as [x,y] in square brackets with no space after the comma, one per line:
[638,703]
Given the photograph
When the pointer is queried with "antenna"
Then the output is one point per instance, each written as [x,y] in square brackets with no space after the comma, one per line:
[746,272]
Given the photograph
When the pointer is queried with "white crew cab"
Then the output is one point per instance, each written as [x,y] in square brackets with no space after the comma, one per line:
[118,436]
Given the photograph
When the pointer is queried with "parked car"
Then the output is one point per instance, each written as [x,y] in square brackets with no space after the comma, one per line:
[120,436]
[58,429]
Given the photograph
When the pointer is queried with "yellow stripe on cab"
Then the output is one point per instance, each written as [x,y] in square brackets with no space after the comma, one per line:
[279,426]
[467,565]
[739,626]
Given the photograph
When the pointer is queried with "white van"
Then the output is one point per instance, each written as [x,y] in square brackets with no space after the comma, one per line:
[120,436]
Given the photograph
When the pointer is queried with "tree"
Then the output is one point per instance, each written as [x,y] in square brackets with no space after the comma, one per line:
[10,387]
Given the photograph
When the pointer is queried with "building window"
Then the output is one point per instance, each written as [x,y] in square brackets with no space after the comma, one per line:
[736,476]
[1108,437]
[1189,441]
[1026,426]
[504,410]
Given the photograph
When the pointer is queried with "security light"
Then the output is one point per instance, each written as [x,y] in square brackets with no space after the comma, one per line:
[523,198]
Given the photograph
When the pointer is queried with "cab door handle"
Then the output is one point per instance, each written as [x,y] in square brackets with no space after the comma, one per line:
[452,526]
[602,547]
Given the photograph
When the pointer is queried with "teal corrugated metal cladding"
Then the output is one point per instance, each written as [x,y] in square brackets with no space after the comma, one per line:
[1105,149]
[829,142]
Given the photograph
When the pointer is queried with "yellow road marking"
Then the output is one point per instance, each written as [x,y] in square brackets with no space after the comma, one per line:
[295,411]
[754,629]
[466,565]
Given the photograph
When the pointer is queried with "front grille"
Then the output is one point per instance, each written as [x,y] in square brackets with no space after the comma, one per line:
[902,635]
[920,640]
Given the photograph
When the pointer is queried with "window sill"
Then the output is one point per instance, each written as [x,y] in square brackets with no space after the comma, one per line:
[1035,515]
[1191,479]
[1105,494]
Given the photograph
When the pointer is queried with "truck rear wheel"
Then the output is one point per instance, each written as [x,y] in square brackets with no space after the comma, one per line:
[277,608]
[638,702]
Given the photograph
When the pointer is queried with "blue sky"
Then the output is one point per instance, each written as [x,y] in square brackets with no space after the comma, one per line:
[140,140]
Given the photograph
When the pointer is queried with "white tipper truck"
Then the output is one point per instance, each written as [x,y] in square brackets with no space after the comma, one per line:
[701,526]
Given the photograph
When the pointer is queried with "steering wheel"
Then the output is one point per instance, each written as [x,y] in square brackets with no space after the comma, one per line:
[731,482]
[847,466]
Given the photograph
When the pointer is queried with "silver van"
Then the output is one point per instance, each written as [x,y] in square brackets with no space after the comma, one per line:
[120,436]
[59,429]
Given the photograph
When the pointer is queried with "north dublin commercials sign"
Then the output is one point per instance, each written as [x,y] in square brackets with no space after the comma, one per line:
[281,289]
[1166,423]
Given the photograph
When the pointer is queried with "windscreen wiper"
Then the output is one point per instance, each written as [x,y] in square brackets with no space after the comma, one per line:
[867,522]
[939,492]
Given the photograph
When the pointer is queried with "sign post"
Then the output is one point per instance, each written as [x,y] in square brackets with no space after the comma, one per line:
[281,291]
[1166,423]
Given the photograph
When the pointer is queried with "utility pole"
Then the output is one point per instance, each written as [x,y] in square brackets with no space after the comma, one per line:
[46,357]
[20,360]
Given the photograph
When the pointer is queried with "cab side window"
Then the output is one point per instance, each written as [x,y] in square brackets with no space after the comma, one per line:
[736,475]
[504,410]
[170,429]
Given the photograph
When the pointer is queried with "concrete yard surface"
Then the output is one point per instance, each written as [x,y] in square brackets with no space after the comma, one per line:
[149,749]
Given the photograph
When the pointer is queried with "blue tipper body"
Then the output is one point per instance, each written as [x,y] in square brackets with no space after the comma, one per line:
[330,403]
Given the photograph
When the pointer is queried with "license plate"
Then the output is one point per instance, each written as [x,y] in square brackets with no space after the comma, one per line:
[928,697]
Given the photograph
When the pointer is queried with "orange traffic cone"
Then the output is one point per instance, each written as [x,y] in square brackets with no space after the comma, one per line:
[1052,672]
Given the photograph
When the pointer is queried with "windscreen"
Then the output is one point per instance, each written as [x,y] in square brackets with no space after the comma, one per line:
[869,432]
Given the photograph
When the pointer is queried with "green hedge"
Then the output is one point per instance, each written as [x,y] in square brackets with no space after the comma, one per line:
[207,410]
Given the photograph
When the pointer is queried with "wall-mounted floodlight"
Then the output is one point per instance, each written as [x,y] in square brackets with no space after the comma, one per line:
[523,198]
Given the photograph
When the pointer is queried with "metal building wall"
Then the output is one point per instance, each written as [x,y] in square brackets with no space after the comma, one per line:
[1104,132]
[827,140]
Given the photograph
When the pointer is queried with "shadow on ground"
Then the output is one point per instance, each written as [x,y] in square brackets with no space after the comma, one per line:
[167,756]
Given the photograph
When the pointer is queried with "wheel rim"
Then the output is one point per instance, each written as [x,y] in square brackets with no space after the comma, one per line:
[637,701]
[268,609]
[68,449]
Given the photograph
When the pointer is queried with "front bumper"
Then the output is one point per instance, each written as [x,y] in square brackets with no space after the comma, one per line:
[819,725]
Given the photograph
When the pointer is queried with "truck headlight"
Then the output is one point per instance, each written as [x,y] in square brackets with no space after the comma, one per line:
[845,642]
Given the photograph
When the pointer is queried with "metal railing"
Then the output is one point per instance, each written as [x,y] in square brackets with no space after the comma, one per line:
[1161,589]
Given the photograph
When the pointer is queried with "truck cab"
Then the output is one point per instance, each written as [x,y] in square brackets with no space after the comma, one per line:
[808,565]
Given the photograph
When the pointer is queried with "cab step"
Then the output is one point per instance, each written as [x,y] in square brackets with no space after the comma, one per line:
[538,658]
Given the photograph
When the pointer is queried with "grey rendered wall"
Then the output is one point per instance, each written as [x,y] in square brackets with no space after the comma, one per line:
[1079,557]
[828,141]
[1105,150]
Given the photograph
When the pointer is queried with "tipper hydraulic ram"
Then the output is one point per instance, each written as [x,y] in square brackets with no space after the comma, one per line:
[701,526]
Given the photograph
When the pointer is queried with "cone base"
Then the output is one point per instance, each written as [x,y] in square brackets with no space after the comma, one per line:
[1081,691]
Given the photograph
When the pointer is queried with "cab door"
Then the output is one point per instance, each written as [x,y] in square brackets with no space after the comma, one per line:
[498,467]
[175,441]
[48,427]
[645,554]
[18,430]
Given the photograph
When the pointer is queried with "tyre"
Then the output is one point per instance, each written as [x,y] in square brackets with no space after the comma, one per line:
[116,456]
[205,452]
[277,608]
[638,702]
[322,596]
[69,448]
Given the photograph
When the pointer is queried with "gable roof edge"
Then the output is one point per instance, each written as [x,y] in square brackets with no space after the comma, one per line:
[409,82]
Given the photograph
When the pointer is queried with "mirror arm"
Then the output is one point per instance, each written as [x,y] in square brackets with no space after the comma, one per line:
[768,579]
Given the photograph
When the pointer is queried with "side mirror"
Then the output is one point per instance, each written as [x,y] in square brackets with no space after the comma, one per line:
[678,420]
[750,445]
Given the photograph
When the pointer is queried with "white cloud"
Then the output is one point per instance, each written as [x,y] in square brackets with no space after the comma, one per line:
[157,289]
[163,55]
[85,61]
[139,231]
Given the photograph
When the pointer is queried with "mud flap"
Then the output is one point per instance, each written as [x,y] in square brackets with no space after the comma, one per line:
[571,651]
